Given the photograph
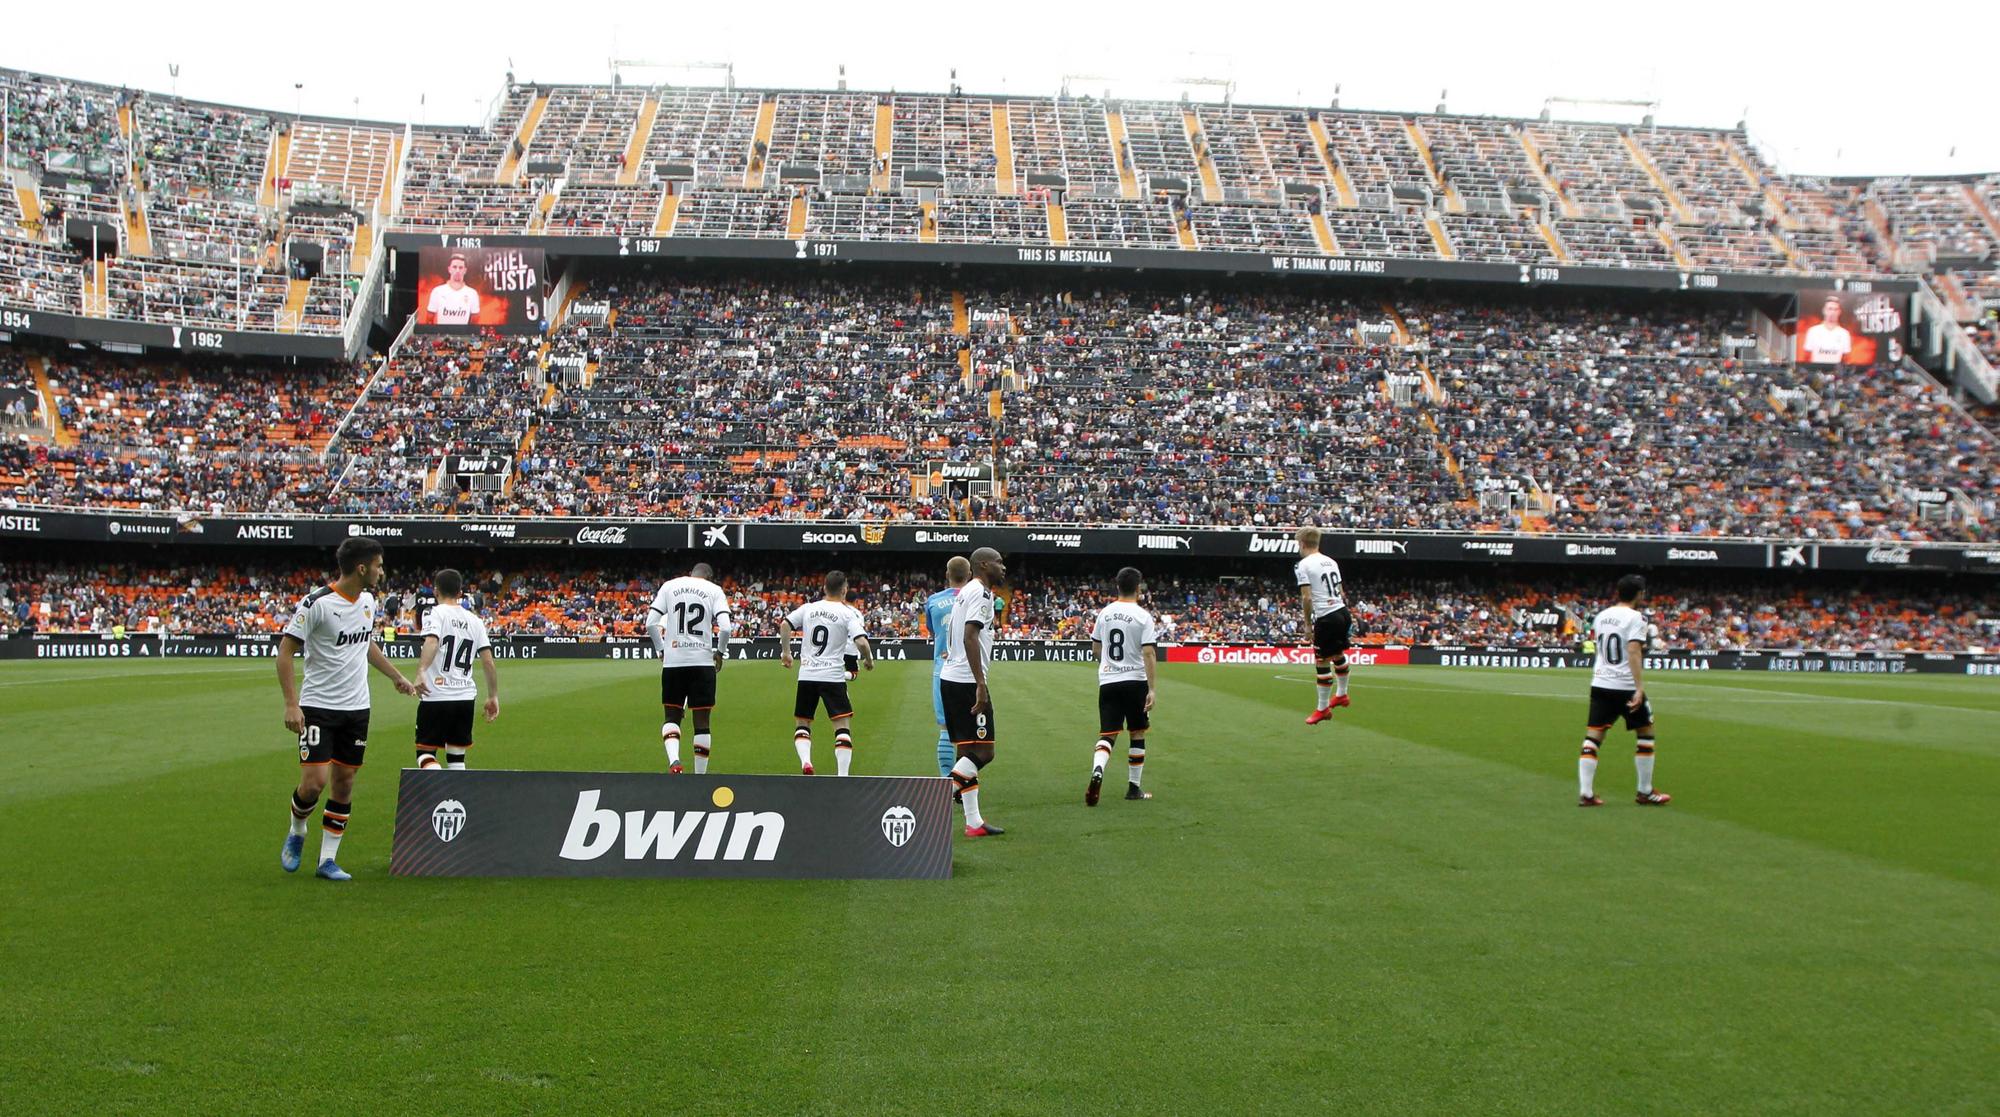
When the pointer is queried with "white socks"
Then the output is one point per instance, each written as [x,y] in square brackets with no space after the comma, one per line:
[1340,683]
[701,745]
[1135,763]
[1101,757]
[455,759]
[329,844]
[969,792]
[670,736]
[1586,770]
[802,739]
[843,751]
[1644,762]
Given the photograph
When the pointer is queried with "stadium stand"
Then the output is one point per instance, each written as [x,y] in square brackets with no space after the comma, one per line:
[1244,604]
[1063,136]
[953,135]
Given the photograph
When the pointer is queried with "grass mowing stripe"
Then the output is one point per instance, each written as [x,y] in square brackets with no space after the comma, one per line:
[1398,912]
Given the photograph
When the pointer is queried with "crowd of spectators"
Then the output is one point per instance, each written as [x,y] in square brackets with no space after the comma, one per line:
[1240,604]
[717,394]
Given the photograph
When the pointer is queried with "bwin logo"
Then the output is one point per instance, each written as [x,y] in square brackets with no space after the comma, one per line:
[448,820]
[898,825]
[664,835]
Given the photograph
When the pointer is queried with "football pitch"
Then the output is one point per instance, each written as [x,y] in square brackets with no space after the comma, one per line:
[1400,911]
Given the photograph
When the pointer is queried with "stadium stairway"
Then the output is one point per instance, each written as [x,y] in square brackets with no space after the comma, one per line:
[274,168]
[1554,242]
[885,146]
[1422,143]
[927,223]
[1773,201]
[138,238]
[1396,317]
[642,131]
[1681,211]
[1438,238]
[1128,178]
[670,208]
[1972,197]
[1211,183]
[295,305]
[961,324]
[1323,233]
[1058,225]
[60,434]
[1553,187]
[1322,143]
[96,303]
[1185,226]
[795,224]
[1003,150]
[1666,234]
[31,206]
[1784,247]
[524,138]
[760,141]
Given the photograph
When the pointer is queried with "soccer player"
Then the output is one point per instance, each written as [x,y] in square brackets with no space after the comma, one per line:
[1320,594]
[452,303]
[1126,645]
[689,623]
[1828,342]
[824,627]
[1618,687]
[968,706]
[937,621]
[453,637]
[335,628]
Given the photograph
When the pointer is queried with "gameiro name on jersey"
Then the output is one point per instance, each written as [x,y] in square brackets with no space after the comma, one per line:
[824,627]
[1621,634]
[1122,630]
[461,636]
[973,605]
[1322,574]
[336,633]
[693,620]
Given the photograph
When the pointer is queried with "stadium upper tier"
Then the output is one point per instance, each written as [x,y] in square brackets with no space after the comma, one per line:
[721,394]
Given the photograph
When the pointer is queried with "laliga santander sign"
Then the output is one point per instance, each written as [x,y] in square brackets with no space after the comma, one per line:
[1270,654]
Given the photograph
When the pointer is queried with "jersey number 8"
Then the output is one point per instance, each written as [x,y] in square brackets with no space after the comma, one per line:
[1114,645]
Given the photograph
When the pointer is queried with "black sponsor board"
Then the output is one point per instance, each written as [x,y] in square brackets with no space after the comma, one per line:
[149,646]
[183,339]
[1302,266]
[492,823]
[954,539]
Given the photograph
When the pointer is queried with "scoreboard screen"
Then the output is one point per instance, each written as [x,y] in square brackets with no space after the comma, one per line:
[464,289]
[1851,327]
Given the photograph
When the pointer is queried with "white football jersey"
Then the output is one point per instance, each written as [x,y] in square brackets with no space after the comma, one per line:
[461,636]
[974,604]
[824,628]
[1323,575]
[692,616]
[1620,632]
[860,621]
[1828,343]
[337,633]
[1123,630]
[453,308]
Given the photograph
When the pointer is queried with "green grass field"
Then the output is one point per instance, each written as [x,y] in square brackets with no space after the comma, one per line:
[1399,912]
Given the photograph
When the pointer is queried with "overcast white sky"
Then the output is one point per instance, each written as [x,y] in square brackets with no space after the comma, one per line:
[1830,88]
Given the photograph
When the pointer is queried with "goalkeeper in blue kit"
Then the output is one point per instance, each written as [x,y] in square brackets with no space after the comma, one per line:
[937,620]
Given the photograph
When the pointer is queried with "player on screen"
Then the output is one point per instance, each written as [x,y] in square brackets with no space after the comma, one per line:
[823,628]
[1322,596]
[1126,644]
[452,303]
[1828,342]
[689,624]
[453,637]
[937,622]
[335,628]
[1618,688]
[968,705]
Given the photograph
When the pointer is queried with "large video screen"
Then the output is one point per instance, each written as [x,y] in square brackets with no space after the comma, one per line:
[1851,328]
[460,289]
